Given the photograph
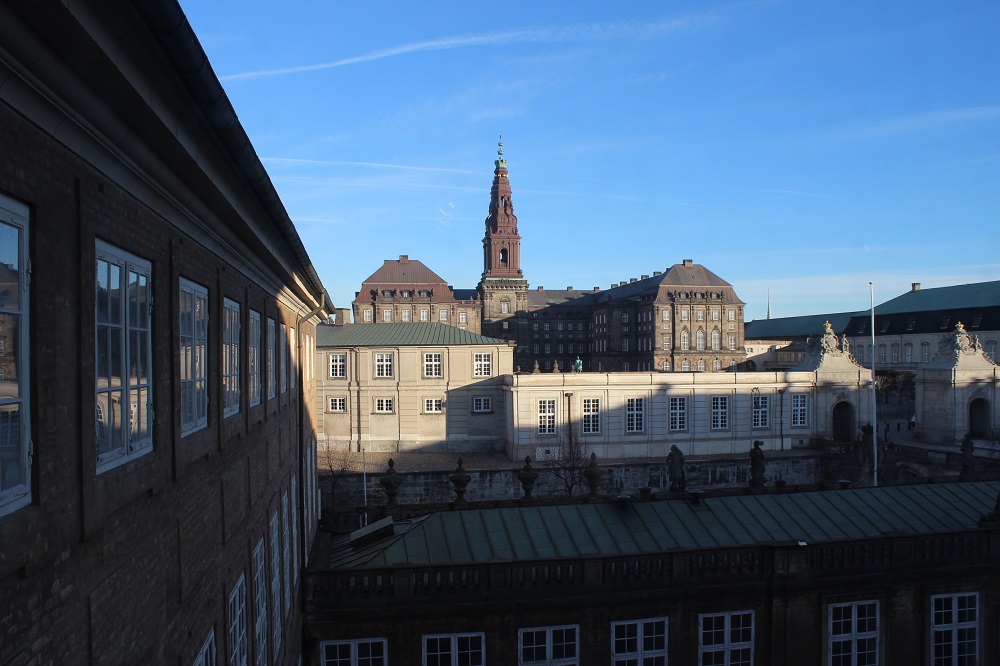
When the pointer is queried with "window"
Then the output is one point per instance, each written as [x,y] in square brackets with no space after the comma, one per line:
[665,314]
[424,315]
[701,365]
[720,412]
[716,365]
[732,342]
[908,353]
[634,414]
[206,655]
[253,359]
[678,413]
[463,317]
[625,367]
[716,340]
[700,315]
[383,405]
[800,410]
[387,293]
[406,293]
[546,417]
[925,352]
[424,293]
[368,315]
[338,366]
[286,551]
[272,375]
[276,583]
[624,317]
[895,353]
[405,315]
[881,354]
[726,638]
[859,353]
[955,629]
[482,404]
[238,623]
[991,350]
[295,531]
[591,416]
[482,365]
[699,338]
[386,315]
[360,652]
[383,364]
[432,365]
[124,364]
[443,315]
[685,366]
[685,340]
[548,646]
[853,634]
[337,405]
[433,405]
[15,412]
[231,357]
[194,358]
[639,642]
[760,411]
[731,314]
[666,366]
[505,306]
[624,344]
[715,314]
[455,650]
[292,368]
[260,604]
[282,357]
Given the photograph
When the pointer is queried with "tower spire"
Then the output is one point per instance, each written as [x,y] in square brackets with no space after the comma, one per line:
[502,243]
[500,161]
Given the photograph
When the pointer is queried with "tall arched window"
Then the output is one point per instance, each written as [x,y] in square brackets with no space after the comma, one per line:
[716,339]
[503,257]
[699,337]
[505,306]
[686,366]
[685,340]
[701,366]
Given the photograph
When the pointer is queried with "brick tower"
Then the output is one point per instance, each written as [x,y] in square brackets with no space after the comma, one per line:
[503,289]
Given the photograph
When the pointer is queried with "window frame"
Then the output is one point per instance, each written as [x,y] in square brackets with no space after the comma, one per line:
[338,365]
[590,409]
[433,364]
[272,374]
[19,494]
[384,405]
[677,413]
[260,630]
[800,410]
[853,636]
[276,583]
[760,412]
[727,646]
[383,365]
[482,404]
[354,657]
[482,364]
[231,329]
[549,634]
[339,408]
[194,368]
[954,627]
[642,649]
[455,645]
[207,654]
[237,623]
[433,406]
[720,412]
[635,415]
[254,385]
[283,357]
[546,416]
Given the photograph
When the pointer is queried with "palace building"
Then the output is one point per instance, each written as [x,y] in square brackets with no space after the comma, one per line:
[684,319]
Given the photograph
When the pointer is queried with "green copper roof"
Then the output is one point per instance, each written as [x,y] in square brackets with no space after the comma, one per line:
[612,529]
[977,295]
[401,334]
[791,328]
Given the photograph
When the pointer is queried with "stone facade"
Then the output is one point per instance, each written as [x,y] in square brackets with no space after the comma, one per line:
[137,475]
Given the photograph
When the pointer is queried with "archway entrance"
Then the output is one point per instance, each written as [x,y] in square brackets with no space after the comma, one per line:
[843,422]
[979,418]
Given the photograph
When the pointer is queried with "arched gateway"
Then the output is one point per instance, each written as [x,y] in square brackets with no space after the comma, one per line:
[844,422]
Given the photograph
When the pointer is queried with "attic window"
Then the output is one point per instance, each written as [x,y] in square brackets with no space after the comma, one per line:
[944,322]
[423,293]
[910,324]
[862,327]
[387,293]
[406,293]
[885,326]
[976,321]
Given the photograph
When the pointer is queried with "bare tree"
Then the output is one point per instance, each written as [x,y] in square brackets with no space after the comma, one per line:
[567,461]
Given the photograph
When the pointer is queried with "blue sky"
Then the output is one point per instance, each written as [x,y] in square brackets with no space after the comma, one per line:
[801,148]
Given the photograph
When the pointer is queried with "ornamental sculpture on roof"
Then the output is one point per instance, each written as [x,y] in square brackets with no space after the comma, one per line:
[959,343]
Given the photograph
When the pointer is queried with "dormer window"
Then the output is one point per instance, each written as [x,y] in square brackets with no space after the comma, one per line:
[885,326]
[423,293]
[976,321]
[910,324]
[406,293]
[387,293]
[944,322]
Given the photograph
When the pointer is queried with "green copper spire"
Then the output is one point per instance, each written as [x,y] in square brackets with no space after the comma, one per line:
[500,161]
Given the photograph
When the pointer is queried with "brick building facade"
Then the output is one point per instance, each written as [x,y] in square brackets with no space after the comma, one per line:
[157,465]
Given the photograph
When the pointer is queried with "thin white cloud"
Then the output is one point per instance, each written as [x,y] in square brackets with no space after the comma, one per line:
[375,165]
[922,122]
[581,32]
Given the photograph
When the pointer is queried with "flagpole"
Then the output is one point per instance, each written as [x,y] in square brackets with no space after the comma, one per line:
[871,288]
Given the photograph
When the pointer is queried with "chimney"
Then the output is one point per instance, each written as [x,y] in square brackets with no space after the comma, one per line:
[688,263]
[645,277]
[631,280]
[569,288]
[915,286]
[657,273]
[403,258]
[597,288]
[540,287]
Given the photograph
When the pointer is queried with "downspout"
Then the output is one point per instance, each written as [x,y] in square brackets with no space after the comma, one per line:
[300,419]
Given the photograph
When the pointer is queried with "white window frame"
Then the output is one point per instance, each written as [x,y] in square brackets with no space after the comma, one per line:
[736,650]
[800,410]
[272,374]
[433,364]
[720,412]
[474,655]
[443,315]
[207,655]
[238,623]
[639,641]
[848,633]
[949,621]
[367,315]
[383,365]
[678,413]
[553,655]
[547,416]
[193,364]
[385,405]
[463,317]
[482,404]
[433,406]
[230,357]
[685,340]
[405,314]
[424,315]
[260,604]
[282,357]
[360,651]
[15,408]
[336,404]
[276,584]
[760,411]
[591,410]
[338,365]
[504,306]
[253,359]
[635,409]
[482,365]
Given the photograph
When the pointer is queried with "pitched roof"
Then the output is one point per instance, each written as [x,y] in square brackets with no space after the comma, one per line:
[790,328]
[611,529]
[956,297]
[404,271]
[401,334]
